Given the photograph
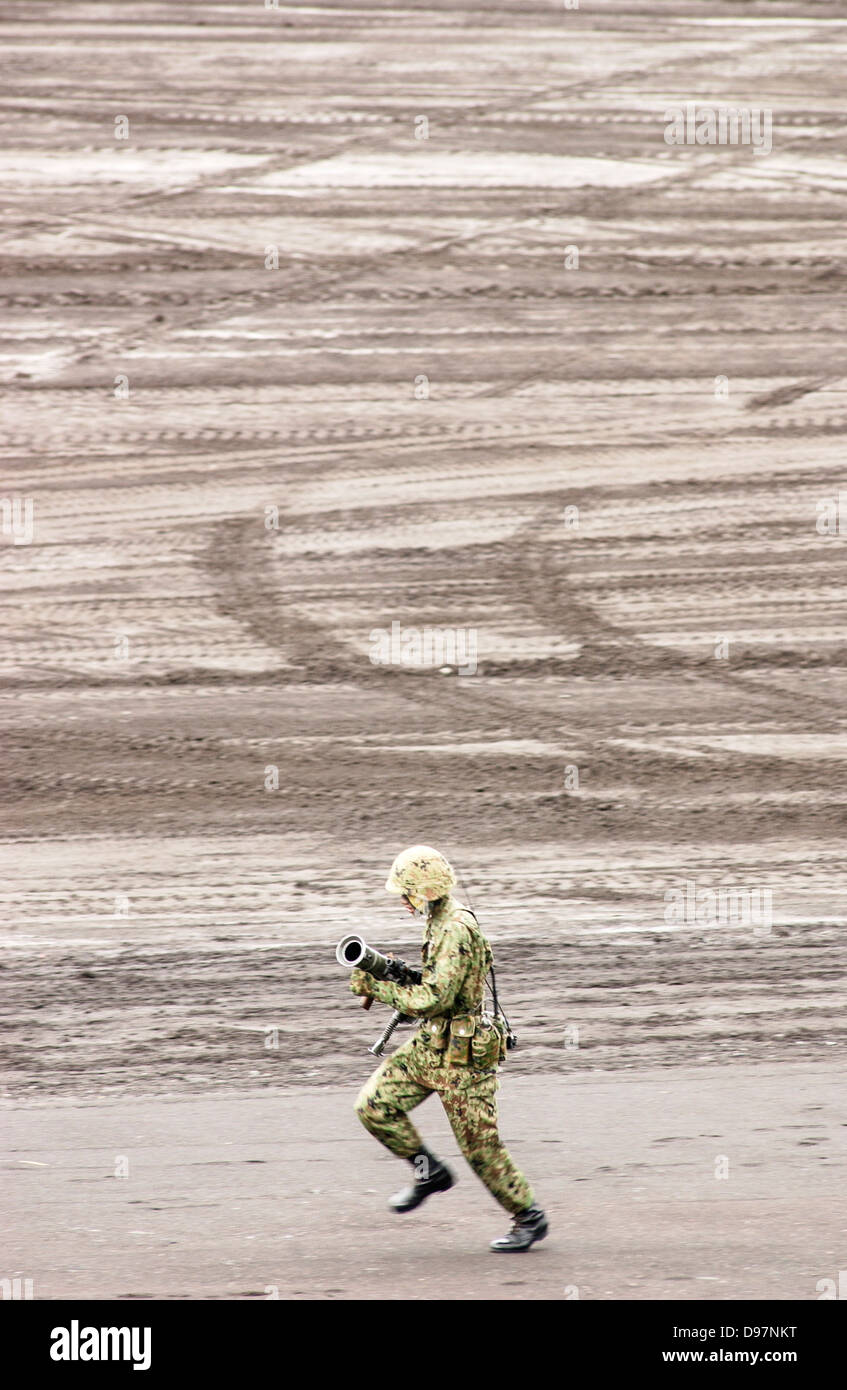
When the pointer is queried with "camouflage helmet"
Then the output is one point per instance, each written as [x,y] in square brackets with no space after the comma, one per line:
[421,872]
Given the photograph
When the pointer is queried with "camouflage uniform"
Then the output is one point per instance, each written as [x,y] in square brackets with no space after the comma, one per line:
[456,958]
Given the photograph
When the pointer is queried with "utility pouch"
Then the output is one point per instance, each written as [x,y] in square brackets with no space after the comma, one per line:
[438,1030]
[486,1044]
[503,1035]
[462,1029]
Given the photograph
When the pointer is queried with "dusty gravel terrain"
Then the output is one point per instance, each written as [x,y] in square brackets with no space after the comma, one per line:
[278,375]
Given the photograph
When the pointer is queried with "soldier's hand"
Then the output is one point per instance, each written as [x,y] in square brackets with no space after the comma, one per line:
[360,983]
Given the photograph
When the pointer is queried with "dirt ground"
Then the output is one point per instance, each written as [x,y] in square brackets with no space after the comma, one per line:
[333,330]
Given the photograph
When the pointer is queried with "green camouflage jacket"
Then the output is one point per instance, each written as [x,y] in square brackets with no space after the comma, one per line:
[456,958]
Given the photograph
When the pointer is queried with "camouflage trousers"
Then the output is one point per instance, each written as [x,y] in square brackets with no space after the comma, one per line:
[469,1098]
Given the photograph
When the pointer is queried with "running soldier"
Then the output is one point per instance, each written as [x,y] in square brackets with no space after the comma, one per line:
[456,1052]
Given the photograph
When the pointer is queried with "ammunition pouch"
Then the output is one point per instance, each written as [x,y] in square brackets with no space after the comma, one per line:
[467,1040]
[488,1045]
[462,1029]
[437,1033]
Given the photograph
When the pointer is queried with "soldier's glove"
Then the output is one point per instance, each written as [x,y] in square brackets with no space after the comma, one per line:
[360,983]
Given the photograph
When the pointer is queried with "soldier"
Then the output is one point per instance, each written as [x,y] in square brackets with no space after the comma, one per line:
[455,1051]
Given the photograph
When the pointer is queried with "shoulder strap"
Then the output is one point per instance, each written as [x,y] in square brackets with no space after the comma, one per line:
[511,1040]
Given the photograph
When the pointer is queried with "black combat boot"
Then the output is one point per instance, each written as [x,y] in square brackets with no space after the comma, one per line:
[529,1227]
[431,1176]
